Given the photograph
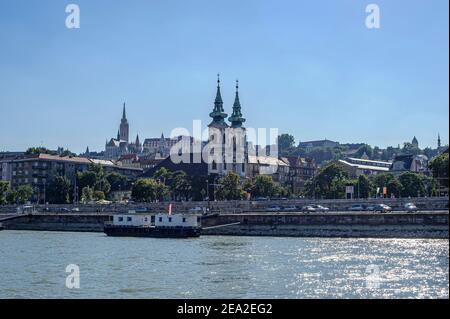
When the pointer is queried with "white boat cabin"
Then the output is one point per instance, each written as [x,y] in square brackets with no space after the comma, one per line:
[158,220]
[134,220]
[177,220]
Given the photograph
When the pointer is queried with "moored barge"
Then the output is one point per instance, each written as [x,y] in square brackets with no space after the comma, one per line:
[154,225]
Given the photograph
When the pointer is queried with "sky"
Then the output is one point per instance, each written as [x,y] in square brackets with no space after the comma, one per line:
[309,68]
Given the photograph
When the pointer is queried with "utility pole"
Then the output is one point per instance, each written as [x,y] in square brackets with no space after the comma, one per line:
[207,193]
[75,190]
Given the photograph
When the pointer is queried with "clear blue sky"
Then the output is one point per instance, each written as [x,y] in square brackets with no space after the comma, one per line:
[310,68]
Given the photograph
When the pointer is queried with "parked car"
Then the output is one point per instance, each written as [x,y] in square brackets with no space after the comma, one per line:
[382,208]
[320,208]
[357,208]
[291,208]
[410,207]
[308,208]
[315,208]
[75,209]
[196,209]
[273,208]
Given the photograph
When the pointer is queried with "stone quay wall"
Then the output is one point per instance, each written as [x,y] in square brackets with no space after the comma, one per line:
[59,222]
[374,225]
[396,225]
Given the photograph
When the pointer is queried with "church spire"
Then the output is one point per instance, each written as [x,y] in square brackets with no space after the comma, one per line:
[124,128]
[236,118]
[118,135]
[124,115]
[218,115]
[137,140]
[439,140]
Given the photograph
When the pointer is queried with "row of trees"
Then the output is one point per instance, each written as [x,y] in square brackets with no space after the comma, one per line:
[91,185]
[179,186]
[331,181]
[19,196]
[43,150]
[165,184]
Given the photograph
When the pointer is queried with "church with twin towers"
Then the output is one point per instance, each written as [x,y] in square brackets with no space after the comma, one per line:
[226,150]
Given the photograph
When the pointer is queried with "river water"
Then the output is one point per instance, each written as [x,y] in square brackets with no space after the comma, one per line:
[33,265]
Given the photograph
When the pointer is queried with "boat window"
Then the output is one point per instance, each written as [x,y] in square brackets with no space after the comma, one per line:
[120,219]
[128,219]
[170,219]
[160,219]
[184,219]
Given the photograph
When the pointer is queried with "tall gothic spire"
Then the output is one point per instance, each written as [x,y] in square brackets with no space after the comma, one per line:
[124,128]
[137,140]
[124,115]
[218,115]
[118,135]
[236,118]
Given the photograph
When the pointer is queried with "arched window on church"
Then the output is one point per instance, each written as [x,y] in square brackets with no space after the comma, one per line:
[214,165]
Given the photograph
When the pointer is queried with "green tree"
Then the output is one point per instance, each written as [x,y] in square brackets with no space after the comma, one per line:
[439,168]
[410,149]
[261,186]
[161,191]
[95,178]
[162,175]
[286,144]
[39,150]
[328,183]
[58,190]
[363,187]
[87,194]
[11,197]
[198,184]
[4,188]
[24,193]
[98,195]
[431,186]
[117,181]
[412,185]
[180,185]
[229,187]
[364,149]
[86,179]
[394,188]
[388,180]
[147,190]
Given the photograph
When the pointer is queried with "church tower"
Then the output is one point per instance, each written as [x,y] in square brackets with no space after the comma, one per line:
[439,141]
[138,145]
[238,138]
[216,137]
[415,142]
[124,127]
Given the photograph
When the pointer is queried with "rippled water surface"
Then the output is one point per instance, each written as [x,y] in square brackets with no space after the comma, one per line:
[33,264]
